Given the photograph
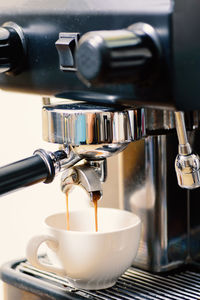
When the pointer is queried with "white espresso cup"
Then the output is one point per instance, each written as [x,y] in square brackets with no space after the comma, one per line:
[88,259]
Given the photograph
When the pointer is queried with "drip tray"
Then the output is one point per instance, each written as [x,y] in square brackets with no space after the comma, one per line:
[25,280]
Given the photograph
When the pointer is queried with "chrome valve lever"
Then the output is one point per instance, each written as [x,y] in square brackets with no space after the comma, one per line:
[187,164]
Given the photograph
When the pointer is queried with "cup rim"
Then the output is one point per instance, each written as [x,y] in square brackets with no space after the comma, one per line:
[137,222]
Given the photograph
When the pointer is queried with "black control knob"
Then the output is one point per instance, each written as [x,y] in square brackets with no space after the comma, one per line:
[116,56]
[12,48]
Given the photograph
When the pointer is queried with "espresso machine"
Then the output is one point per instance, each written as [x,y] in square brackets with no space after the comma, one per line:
[118,79]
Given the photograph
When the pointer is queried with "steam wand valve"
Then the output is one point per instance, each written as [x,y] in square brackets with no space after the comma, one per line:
[187,164]
[89,176]
[41,167]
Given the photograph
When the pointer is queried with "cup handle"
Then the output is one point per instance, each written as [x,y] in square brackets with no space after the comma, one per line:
[32,256]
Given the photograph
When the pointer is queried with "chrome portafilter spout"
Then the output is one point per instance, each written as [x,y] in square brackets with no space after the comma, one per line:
[187,164]
[89,176]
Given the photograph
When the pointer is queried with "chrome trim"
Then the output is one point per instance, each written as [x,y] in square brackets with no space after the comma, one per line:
[61,162]
[94,132]
[82,124]
[157,119]
[184,146]
[149,189]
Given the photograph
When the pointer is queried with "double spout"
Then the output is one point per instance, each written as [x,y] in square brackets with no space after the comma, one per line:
[89,176]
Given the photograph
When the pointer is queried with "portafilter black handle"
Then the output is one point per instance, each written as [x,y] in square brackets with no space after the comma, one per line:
[41,167]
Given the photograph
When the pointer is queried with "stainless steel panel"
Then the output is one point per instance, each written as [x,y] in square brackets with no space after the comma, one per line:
[151,191]
[145,183]
[194,210]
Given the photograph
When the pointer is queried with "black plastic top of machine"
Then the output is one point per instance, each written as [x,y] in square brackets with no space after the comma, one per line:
[171,81]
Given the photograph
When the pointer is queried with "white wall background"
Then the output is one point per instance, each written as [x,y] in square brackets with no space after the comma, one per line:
[22,212]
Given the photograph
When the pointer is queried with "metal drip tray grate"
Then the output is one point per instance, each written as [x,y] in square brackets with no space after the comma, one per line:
[133,284]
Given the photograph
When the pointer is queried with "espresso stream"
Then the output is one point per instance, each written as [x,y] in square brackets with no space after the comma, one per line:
[95,196]
[67,209]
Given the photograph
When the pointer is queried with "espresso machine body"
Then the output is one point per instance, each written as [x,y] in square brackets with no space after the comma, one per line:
[176,24]
[53,41]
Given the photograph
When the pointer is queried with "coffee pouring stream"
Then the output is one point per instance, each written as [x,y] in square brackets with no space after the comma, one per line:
[89,176]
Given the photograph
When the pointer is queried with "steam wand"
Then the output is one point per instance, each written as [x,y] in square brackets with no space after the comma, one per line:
[41,167]
[187,164]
